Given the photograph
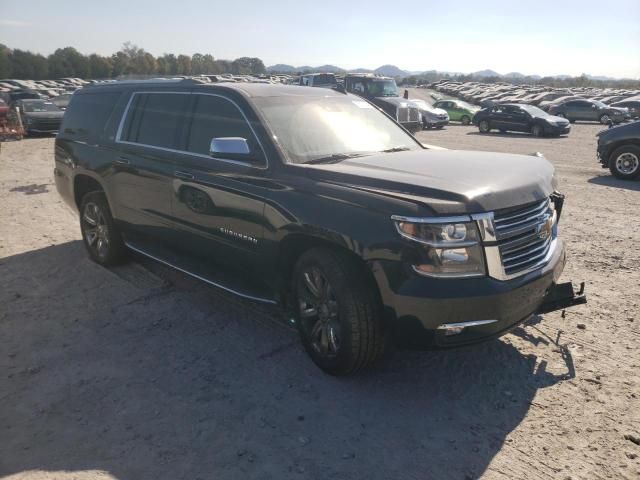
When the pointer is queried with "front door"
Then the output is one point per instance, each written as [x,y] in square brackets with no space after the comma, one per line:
[218,201]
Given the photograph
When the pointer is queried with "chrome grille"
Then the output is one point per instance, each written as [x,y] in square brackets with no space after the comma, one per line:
[402,114]
[524,236]
[407,114]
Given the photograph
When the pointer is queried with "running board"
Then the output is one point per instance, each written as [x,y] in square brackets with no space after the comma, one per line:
[227,282]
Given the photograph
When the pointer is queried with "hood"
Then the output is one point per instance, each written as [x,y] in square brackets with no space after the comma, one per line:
[556,119]
[396,101]
[621,110]
[632,128]
[446,181]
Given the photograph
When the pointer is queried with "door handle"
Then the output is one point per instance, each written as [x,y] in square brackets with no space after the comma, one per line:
[122,161]
[183,175]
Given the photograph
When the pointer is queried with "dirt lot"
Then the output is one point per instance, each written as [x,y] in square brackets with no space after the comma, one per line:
[142,373]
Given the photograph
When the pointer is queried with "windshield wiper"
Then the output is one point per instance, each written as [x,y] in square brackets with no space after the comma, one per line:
[395,149]
[335,158]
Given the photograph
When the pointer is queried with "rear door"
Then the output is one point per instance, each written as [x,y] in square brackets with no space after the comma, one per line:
[144,162]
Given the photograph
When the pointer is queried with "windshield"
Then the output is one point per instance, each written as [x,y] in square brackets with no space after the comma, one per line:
[538,112]
[40,107]
[324,79]
[599,104]
[383,88]
[312,128]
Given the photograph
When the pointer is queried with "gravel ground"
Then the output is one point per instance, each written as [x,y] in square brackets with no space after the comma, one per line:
[140,372]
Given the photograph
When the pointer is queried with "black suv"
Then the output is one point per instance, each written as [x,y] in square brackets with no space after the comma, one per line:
[619,150]
[314,200]
[383,92]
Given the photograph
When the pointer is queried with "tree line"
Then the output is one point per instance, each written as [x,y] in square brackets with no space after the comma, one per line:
[130,60]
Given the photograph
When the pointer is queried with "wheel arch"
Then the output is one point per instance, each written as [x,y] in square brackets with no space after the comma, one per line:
[292,246]
[616,145]
[84,183]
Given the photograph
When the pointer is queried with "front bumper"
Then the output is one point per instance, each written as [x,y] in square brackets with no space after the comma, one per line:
[559,130]
[420,308]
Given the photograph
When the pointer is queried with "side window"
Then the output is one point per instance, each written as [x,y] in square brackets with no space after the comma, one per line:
[155,119]
[87,115]
[215,117]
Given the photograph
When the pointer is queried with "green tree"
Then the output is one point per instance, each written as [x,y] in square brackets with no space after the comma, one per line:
[183,65]
[68,62]
[5,62]
[99,66]
[28,65]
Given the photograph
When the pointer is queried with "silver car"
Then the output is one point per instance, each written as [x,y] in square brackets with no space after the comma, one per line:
[430,116]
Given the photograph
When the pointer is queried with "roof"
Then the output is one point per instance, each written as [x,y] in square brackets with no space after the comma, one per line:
[247,89]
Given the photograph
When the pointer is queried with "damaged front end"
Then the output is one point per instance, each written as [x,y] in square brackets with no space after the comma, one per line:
[560,296]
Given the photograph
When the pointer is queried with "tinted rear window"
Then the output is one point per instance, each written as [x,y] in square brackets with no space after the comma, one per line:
[155,119]
[87,115]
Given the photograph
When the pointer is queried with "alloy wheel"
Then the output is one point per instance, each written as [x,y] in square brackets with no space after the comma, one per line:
[627,163]
[604,119]
[318,312]
[95,229]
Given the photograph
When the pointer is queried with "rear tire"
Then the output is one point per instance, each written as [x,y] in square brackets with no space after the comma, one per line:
[624,162]
[99,232]
[484,126]
[338,314]
[465,120]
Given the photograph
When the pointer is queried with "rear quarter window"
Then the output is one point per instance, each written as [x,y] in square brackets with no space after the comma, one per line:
[87,115]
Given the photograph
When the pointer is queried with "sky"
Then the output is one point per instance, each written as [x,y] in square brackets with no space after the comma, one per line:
[544,37]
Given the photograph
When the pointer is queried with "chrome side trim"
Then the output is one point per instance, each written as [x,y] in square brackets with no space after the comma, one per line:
[184,152]
[194,275]
[472,323]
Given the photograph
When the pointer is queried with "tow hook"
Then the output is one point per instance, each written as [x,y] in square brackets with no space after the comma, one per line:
[561,296]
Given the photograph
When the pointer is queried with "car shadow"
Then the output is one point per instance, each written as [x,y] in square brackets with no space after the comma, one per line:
[142,372]
[611,181]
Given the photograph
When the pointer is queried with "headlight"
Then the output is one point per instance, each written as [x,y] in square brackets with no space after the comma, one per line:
[447,247]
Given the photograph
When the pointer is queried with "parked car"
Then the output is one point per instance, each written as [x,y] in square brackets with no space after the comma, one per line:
[588,110]
[62,101]
[457,110]
[383,92]
[619,150]
[516,117]
[431,117]
[323,80]
[631,104]
[39,116]
[315,200]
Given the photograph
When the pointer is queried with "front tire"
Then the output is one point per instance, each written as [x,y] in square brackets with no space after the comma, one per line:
[605,119]
[537,130]
[338,314]
[624,162]
[484,126]
[99,233]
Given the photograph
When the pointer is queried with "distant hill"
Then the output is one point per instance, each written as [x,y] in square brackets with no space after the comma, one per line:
[486,73]
[281,68]
[390,71]
[394,71]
